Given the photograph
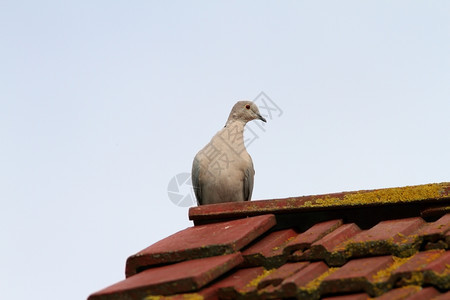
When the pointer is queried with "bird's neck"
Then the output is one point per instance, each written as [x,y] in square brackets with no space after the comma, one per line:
[235,122]
[235,125]
[233,134]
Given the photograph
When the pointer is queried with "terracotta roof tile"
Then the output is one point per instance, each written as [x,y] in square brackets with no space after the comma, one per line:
[435,211]
[326,252]
[201,241]
[269,251]
[419,294]
[404,293]
[327,248]
[171,279]
[239,280]
[386,237]
[279,275]
[394,230]
[445,296]
[360,296]
[408,292]
[357,275]
[435,230]
[422,261]
[304,240]
[428,267]
[299,281]
[247,285]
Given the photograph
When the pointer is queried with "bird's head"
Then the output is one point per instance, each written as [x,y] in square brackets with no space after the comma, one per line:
[245,111]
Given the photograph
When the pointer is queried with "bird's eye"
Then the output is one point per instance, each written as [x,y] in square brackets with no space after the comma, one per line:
[247,106]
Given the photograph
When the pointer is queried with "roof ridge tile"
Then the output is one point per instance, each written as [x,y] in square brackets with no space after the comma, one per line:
[430,193]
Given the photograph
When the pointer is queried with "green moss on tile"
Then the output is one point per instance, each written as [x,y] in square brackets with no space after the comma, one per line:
[441,280]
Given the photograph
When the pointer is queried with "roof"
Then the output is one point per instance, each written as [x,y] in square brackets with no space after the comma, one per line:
[388,243]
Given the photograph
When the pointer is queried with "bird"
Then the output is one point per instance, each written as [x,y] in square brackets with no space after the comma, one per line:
[223,171]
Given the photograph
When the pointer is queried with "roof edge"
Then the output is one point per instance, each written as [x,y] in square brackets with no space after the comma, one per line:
[434,193]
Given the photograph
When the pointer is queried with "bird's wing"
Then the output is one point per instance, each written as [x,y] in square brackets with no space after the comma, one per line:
[195,180]
[248,182]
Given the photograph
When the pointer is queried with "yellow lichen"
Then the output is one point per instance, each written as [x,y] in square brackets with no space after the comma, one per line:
[432,255]
[415,278]
[447,267]
[314,284]
[257,279]
[384,274]
[151,297]
[192,296]
[390,195]
[308,204]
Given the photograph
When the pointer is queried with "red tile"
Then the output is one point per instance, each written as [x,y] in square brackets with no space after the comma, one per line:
[244,281]
[436,230]
[300,279]
[424,293]
[270,292]
[425,261]
[280,274]
[201,241]
[304,240]
[394,230]
[435,211]
[441,264]
[322,248]
[428,267]
[400,293]
[268,251]
[356,275]
[336,237]
[181,277]
[270,243]
[361,268]
[360,296]
[436,244]
[387,237]
[445,296]
[229,285]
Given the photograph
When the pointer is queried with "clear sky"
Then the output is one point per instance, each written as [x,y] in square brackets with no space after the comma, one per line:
[103,103]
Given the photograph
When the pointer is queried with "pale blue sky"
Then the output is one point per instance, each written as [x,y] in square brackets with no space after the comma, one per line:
[103,103]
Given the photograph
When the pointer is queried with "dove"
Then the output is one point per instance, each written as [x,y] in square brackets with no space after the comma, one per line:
[223,170]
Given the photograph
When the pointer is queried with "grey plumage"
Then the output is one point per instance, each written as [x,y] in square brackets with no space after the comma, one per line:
[223,170]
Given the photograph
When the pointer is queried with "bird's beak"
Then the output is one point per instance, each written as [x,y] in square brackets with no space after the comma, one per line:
[262,118]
